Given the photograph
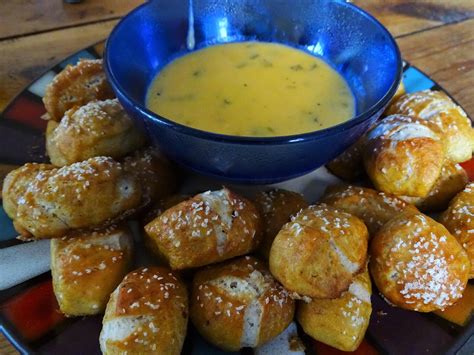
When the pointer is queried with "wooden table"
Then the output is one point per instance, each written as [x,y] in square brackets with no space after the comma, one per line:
[436,36]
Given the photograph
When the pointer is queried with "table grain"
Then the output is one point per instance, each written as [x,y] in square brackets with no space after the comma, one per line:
[436,36]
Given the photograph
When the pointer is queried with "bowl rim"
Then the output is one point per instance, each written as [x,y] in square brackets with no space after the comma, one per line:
[251,140]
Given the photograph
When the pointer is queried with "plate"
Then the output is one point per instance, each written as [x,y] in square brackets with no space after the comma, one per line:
[29,315]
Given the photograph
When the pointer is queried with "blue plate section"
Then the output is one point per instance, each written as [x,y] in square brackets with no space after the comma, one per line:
[415,80]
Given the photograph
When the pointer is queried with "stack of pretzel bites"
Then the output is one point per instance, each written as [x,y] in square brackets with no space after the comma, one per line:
[242,269]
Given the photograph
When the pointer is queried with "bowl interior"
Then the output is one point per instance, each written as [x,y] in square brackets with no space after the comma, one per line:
[347,38]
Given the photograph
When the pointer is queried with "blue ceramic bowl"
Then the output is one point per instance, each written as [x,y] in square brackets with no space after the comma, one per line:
[356,44]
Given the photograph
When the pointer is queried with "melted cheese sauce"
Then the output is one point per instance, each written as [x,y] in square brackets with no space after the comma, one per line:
[251,89]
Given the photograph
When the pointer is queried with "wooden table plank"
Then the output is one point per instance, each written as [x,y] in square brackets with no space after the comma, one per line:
[43,15]
[402,17]
[24,59]
[447,55]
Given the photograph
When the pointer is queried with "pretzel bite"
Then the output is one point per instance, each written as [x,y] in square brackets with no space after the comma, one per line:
[404,155]
[438,108]
[86,195]
[156,175]
[76,85]
[453,179]
[459,220]
[99,128]
[349,164]
[146,314]
[239,304]
[417,264]
[210,227]
[276,207]
[16,183]
[157,209]
[339,322]
[87,268]
[373,207]
[317,254]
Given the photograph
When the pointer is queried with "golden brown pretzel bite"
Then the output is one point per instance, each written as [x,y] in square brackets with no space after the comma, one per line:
[417,264]
[317,254]
[404,155]
[86,195]
[76,85]
[459,219]
[276,207]
[373,207]
[339,322]
[210,227]
[453,179]
[349,165]
[239,304]
[16,183]
[438,108]
[87,268]
[146,314]
[157,176]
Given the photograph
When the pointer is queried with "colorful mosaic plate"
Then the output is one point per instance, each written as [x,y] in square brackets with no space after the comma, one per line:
[29,315]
